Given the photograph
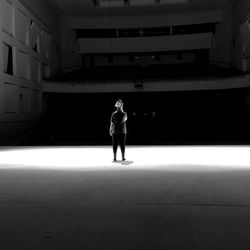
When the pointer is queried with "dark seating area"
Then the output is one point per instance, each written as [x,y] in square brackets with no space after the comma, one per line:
[216,117]
[162,118]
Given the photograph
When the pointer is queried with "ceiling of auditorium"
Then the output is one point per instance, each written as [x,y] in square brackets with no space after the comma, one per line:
[87,8]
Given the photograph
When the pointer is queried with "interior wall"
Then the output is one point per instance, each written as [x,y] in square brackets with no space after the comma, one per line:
[49,15]
[71,57]
[222,41]
[241,9]
[46,13]
[241,51]
[144,60]
[146,44]
[145,21]
[27,52]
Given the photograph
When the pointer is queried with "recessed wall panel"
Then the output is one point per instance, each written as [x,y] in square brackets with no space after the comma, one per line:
[23,65]
[245,36]
[146,44]
[22,23]
[45,71]
[25,100]
[34,70]
[10,98]
[7,59]
[45,43]
[7,16]
[34,36]
[35,101]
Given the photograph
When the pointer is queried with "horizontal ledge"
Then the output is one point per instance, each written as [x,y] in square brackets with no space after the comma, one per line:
[147,86]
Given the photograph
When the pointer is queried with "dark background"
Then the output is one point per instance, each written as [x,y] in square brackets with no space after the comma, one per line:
[186,117]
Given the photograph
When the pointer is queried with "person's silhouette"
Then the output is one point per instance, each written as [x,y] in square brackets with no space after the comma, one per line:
[118,129]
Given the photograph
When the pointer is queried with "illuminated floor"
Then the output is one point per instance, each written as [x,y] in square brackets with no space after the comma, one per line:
[160,198]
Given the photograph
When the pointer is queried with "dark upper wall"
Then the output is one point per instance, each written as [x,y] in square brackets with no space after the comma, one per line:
[47,13]
[57,23]
[240,13]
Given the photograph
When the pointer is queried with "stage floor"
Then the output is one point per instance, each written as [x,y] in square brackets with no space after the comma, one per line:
[159,198]
[174,158]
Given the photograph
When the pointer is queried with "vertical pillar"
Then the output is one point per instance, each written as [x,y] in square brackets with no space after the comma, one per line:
[247,100]
[15,52]
[1,63]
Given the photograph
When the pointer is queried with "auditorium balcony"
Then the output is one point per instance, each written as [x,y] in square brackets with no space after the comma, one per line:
[147,72]
[200,104]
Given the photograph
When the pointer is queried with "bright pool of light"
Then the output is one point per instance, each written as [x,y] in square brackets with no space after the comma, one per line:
[176,158]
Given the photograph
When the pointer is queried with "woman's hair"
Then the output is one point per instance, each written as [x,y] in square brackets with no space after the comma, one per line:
[120,101]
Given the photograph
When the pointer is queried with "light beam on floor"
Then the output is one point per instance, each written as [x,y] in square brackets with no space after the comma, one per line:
[176,158]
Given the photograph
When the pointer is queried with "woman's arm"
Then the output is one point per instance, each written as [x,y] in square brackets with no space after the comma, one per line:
[125,117]
[111,129]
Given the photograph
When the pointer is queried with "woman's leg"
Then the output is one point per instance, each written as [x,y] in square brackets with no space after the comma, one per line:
[122,145]
[115,145]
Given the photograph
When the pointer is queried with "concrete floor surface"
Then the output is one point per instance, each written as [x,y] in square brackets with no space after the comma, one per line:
[125,207]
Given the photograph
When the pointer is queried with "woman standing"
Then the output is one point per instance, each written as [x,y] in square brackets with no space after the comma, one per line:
[118,129]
